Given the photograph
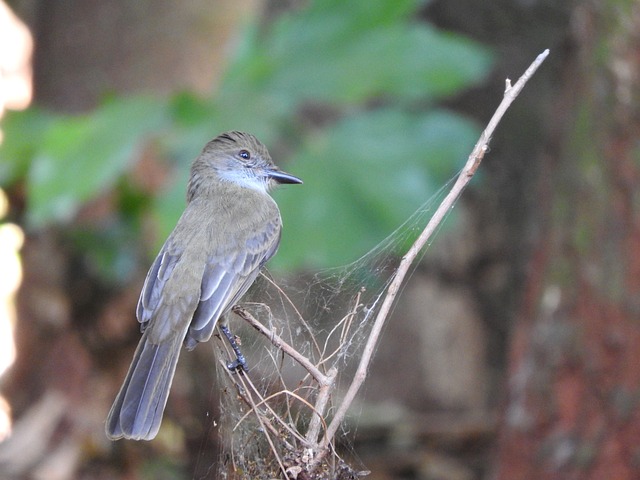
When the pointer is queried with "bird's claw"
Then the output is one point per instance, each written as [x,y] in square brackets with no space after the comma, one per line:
[240,363]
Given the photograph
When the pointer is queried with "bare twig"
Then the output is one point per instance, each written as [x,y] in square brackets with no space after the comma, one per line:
[265,401]
[265,430]
[278,342]
[325,382]
[322,400]
[295,309]
[473,162]
[344,325]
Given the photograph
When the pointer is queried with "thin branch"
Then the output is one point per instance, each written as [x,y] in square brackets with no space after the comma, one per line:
[278,342]
[265,430]
[295,309]
[473,162]
[322,400]
[265,402]
[344,325]
[326,382]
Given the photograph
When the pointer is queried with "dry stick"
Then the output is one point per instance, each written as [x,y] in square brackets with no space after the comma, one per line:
[265,429]
[278,342]
[290,302]
[322,400]
[326,382]
[265,402]
[511,92]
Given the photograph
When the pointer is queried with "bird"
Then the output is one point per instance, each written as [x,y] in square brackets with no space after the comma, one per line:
[229,229]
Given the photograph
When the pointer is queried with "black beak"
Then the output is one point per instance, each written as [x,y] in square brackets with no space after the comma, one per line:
[282,177]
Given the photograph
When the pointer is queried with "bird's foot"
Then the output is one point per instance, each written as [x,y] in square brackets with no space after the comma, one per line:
[240,363]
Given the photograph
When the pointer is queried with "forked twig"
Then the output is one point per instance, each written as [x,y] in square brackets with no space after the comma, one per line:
[278,342]
[295,309]
[266,428]
[325,381]
[470,168]
[344,327]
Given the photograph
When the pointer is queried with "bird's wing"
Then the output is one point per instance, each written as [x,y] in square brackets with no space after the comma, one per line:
[228,276]
[153,287]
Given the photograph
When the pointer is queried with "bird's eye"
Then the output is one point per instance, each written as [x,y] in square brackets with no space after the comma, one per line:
[245,154]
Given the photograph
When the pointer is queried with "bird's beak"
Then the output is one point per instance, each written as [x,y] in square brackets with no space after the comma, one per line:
[282,177]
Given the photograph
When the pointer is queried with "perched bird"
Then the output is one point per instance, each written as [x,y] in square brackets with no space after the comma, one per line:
[228,231]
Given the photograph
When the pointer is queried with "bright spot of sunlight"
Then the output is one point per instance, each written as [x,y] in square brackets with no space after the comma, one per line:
[11,238]
[16,48]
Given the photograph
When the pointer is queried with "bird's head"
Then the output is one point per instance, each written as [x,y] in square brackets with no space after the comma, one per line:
[239,158]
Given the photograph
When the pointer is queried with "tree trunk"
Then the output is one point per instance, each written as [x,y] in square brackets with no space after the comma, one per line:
[572,406]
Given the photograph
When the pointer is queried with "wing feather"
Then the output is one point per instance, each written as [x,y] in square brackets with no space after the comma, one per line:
[226,276]
[232,274]
[153,287]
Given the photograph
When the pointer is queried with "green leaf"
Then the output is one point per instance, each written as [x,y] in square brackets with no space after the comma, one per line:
[345,52]
[363,177]
[22,133]
[81,156]
[333,57]
[188,109]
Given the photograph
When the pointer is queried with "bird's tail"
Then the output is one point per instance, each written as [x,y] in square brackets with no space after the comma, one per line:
[137,410]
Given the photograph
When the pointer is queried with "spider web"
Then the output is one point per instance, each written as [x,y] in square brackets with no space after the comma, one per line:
[266,414]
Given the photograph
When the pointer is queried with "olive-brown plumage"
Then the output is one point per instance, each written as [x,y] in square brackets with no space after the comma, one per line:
[228,231]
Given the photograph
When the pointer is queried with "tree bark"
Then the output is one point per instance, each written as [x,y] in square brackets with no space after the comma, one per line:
[572,405]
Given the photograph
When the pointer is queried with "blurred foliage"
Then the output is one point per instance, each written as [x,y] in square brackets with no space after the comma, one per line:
[370,173]
[380,148]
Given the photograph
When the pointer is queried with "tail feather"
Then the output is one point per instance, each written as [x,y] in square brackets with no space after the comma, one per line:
[137,410]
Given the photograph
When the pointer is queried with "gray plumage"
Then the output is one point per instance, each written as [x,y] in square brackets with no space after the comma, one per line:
[228,231]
